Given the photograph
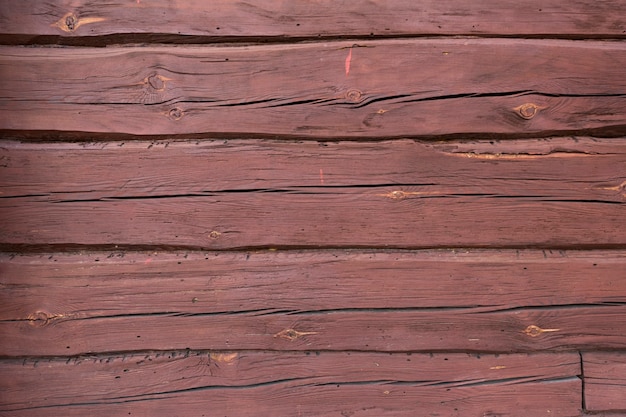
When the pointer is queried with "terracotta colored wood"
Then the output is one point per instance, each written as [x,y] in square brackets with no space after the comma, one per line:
[320,18]
[579,168]
[485,329]
[605,381]
[314,217]
[239,377]
[605,414]
[197,166]
[548,399]
[364,89]
[61,287]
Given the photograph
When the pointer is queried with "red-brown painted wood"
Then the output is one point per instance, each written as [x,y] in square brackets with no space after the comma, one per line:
[228,194]
[605,381]
[306,18]
[59,286]
[548,399]
[314,217]
[467,383]
[456,329]
[578,168]
[387,88]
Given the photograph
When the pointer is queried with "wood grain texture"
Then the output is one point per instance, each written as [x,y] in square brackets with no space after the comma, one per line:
[605,381]
[305,18]
[53,287]
[184,316]
[260,193]
[407,301]
[457,384]
[363,217]
[576,168]
[320,90]
[559,398]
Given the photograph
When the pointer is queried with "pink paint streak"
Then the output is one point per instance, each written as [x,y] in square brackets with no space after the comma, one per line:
[348,60]
[321,176]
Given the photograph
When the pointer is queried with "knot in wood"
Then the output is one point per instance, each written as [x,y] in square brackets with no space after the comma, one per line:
[175,113]
[292,334]
[214,234]
[397,195]
[156,82]
[527,110]
[354,95]
[534,331]
[38,319]
[71,22]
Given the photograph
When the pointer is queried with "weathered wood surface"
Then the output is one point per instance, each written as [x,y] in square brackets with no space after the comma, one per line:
[425,330]
[305,301]
[573,168]
[183,301]
[237,194]
[306,18]
[312,218]
[324,90]
[291,383]
[605,381]
[58,286]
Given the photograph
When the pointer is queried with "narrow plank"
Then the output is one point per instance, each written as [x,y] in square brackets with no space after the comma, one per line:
[325,90]
[236,376]
[320,18]
[559,398]
[605,381]
[314,217]
[37,288]
[390,330]
[562,168]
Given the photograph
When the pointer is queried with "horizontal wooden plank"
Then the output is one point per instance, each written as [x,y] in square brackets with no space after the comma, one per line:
[385,88]
[605,414]
[469,384]
[605,381]
[44,287]
[320,18]
[391,330]
[549,399]
[251,193]
[314,217]
[561,168]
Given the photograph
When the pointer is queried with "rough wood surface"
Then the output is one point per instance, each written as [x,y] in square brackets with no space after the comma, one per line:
[573,168]
[237,194]
[324,90]
[306,18]
[57,286]
[512,301]
[605,381]
[312,218]
[291,383]
[312,208]
[425,330]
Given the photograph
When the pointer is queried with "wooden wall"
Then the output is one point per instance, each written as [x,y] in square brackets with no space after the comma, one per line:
[313,208]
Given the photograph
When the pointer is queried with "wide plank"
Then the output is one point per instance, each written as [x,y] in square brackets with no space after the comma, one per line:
[42,288]
[384,88]
[478,329]
[581,168]
[239,377]
[375,217]
[304,19]
[549,399]
[605,381]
